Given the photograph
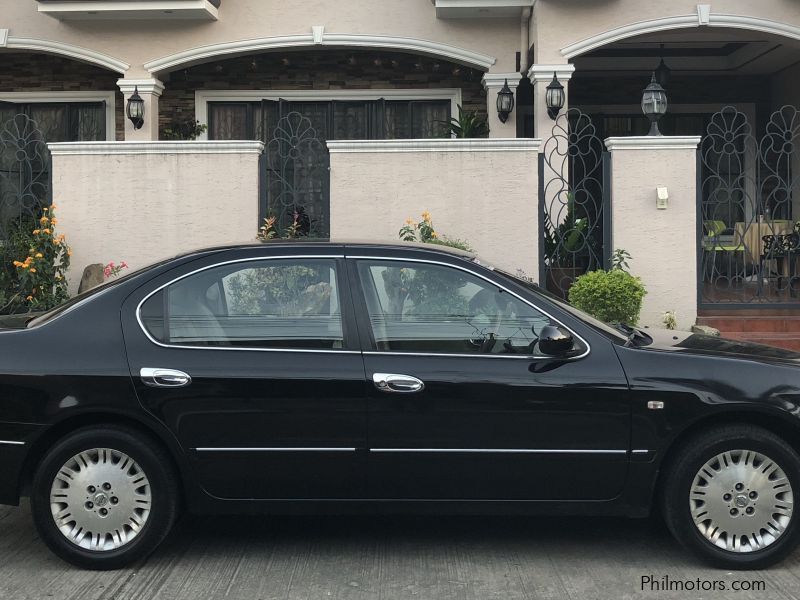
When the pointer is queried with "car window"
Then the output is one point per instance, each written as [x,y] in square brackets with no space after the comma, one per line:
[260,304]
[422,307]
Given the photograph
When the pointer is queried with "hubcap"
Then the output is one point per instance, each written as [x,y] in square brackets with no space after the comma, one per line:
[741,501]
[100,499]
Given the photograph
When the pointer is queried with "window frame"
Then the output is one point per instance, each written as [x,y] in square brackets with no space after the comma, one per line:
[367,337]
[71,97]
[350,343]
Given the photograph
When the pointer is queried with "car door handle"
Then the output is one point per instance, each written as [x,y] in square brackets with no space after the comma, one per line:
[402,384]
[164,377]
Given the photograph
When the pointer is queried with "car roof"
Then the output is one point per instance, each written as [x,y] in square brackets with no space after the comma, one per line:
[316,242]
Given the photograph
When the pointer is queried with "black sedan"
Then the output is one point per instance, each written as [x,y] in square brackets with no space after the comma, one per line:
[311,376]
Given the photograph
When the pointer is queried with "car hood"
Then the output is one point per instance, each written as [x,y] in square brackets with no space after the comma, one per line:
[696,343]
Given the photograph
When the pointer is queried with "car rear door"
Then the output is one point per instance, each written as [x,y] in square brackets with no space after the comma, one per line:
[249,357]
[461,404]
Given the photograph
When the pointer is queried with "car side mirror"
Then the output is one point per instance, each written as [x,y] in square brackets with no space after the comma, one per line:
[554,341]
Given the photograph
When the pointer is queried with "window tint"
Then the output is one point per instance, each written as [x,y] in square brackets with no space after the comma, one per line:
[264,304]
[418,307]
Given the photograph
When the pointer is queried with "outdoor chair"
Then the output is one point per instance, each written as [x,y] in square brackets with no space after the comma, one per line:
[784,250]
[720,239]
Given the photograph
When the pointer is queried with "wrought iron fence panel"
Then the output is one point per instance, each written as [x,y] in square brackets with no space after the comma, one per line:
[572,201]
[24,172]
[748,242]
[298,180]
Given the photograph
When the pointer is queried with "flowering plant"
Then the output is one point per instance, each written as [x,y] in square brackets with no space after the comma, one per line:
[41,273]
[113,270]
[425,232]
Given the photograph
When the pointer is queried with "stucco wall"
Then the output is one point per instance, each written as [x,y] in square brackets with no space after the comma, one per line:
[143,202]
[487,195]
[663,243]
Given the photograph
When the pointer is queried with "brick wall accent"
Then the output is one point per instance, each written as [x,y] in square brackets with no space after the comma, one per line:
[318,70]
[34,72]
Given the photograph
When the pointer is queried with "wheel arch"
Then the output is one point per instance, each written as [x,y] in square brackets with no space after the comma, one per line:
[782,427]
[64,427]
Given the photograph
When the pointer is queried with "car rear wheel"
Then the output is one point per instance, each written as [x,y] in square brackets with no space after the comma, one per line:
[729,497]
[104,497]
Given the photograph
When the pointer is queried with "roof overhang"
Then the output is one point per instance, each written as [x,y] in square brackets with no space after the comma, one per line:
[472,9]
[83,10]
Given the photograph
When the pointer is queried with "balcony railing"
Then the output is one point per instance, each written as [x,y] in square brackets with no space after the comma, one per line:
[130,9]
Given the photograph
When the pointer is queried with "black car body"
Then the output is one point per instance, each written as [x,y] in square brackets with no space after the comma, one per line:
[263,428]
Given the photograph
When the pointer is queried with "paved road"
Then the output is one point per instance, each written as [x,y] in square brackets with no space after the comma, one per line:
[384,558]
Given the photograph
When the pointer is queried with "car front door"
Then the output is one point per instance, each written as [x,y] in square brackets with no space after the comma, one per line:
[462,405]
[251,362]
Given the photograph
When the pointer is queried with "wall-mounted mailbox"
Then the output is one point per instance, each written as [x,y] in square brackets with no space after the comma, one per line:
[662,197]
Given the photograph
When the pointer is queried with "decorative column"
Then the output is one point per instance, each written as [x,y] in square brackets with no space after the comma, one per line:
[150,90]
[541,76]
[493,83]
[660,235]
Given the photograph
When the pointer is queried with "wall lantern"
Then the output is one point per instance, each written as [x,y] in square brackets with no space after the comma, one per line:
[555,97]
[135,109]
[663,72]
[505,103]
[654,104]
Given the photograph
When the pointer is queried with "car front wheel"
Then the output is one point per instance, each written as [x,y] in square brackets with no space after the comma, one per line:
[104,497]
[729,497]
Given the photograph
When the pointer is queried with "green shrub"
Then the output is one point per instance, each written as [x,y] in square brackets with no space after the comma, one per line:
[612,296]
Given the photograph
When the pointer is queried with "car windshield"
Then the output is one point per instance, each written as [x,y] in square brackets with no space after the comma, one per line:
[603,328]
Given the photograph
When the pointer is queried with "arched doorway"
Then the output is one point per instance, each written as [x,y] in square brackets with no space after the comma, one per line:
[738,89]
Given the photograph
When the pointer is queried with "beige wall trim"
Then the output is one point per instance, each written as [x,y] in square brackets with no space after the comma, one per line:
[3,37]
[147,9]
[436,145]
[77,96]
[498,80]
[541,72]
[201,53]
[69,50]
[182,147]
[146,86]
[653,142]
[702,18]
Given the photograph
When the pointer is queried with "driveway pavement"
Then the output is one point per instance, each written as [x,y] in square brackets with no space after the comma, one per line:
[362,558]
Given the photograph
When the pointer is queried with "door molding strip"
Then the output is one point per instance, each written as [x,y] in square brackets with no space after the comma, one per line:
[275,449]
[500,450]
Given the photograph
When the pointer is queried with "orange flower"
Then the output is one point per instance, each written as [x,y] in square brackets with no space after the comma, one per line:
[33,270]
[37,231]
[69,252]
[39,255]
[29,298]
[47,231]
[43,220]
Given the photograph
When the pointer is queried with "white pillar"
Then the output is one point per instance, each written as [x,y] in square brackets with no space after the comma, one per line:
[541,76]
[662,241]
[150,90]
[493,83]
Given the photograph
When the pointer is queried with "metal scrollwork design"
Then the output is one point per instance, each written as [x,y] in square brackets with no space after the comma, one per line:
[573,199]
[746,197]
[24,172]
[298,181]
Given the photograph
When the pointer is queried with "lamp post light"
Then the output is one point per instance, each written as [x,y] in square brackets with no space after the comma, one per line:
[663,72]
[555,97]
[654,104]
[135,109]
[505,103]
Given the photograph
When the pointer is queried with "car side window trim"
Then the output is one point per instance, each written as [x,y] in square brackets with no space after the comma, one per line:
[339,277]
[374,352]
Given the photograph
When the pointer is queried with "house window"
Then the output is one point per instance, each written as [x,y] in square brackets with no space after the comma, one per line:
[332,120]
[61,121]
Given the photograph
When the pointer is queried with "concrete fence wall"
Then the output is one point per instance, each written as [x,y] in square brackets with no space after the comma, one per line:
[143,201]
[484,191]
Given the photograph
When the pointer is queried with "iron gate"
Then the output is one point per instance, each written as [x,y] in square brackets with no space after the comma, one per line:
[297,185]
[25,176]
[574,202]
[748,239]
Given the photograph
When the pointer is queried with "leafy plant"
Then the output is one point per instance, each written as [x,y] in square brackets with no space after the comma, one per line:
[563,243]
[184,130]
[40,259]
[299,227]
[468,124]
[425,233]
[613,296]
[670,320]
[619,260]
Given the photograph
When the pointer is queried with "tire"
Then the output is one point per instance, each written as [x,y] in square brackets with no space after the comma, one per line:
[741,465]
[113,489]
